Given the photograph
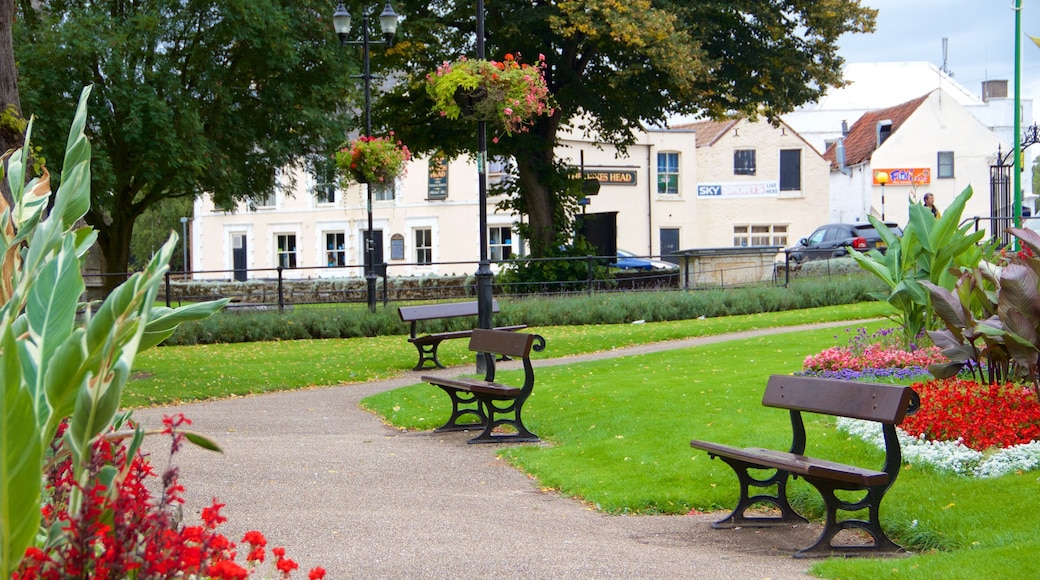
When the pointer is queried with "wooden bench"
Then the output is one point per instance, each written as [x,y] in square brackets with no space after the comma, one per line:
[427,344]
[493,404]
[886,404]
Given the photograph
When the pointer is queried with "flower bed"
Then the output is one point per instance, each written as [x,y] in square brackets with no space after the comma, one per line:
[961,427]
[124,532]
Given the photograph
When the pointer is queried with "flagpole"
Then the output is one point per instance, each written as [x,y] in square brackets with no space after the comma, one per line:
[1017,168]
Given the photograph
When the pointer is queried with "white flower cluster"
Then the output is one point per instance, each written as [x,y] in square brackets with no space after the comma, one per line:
[952,456]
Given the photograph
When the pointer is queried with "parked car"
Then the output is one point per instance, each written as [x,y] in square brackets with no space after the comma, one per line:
[628,261]
[835,240]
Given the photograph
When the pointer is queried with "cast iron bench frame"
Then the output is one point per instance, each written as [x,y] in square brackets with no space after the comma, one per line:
[885,404]
[493,404]
[427,344]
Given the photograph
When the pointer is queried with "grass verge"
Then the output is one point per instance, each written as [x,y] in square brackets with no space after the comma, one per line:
[618,432]
[173,374]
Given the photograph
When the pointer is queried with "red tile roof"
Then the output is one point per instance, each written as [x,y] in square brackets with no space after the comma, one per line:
[861,141]
[708,132]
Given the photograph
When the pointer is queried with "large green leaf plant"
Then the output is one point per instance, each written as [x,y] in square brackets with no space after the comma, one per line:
[930,249]
[59,357]
[1003,337]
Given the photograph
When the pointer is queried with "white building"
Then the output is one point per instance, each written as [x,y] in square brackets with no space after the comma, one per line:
[708,185]
[880,85]
[928,144]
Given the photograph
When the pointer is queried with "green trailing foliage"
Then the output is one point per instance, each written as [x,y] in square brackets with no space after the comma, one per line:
[61,358]
[930,249]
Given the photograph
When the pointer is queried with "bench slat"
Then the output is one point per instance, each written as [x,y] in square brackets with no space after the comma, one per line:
[448,310]
[475,385]
[869,401]
[798,464]
[514,344]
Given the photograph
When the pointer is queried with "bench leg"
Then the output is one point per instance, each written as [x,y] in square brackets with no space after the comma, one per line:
[461,402]
[427,353]
[512,410]
[737,519]
[882,546]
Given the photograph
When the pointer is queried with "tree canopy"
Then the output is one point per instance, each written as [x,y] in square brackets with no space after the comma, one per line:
[189,96]
[619,64]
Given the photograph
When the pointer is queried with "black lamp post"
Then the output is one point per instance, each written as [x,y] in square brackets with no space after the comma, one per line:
[388,23]
[483,274]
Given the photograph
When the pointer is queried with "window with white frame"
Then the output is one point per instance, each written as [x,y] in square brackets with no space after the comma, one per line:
[945,165]
[423,246]
[790,169]
[745,235]
[325,192]
[744,162]
[286,250]
[500,242]
[498,170]
[383,191]
[335,249]
[667,172]
[265,201]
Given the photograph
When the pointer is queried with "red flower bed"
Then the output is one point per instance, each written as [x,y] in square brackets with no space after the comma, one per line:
[982,416]
[126,533]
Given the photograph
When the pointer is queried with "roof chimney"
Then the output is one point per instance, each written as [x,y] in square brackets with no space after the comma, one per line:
[844,128]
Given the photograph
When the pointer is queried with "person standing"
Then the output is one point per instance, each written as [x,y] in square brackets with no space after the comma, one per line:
[929,202]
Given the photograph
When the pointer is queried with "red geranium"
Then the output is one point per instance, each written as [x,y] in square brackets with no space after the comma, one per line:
[981,416]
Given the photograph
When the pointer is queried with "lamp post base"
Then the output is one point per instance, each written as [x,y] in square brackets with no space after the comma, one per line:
[370,278]
[484,278]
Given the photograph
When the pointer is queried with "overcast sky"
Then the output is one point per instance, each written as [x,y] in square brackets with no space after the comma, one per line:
[980,33]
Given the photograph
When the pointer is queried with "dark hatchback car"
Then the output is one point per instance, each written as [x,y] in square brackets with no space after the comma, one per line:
[834,241]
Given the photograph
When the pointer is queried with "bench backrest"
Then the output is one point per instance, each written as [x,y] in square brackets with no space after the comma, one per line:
[448,310]
[504,342]
[870,401]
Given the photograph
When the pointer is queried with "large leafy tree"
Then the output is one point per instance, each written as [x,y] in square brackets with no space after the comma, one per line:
[615,64]
[189,96]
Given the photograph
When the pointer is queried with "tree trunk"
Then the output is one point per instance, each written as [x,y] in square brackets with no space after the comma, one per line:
[114,242]
[538,200]
[11,136]
[534,163]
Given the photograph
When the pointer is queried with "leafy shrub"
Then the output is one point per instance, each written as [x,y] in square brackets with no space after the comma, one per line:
[609,308]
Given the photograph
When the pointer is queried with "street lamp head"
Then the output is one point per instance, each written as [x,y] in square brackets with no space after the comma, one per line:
[388,22]
[881,177]
[341,22]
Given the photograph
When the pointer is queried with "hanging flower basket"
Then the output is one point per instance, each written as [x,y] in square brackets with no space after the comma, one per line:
[506,93]
[373,160]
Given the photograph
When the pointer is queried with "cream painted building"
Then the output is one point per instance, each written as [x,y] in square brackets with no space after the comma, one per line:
[928,144]
[705,185]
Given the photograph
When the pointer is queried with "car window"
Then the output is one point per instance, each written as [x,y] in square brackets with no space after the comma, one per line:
[835,233]
[818,236]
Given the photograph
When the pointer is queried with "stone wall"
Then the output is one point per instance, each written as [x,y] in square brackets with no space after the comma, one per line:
[321,290]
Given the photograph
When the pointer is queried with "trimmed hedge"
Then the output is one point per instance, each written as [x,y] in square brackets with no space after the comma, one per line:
[353,320]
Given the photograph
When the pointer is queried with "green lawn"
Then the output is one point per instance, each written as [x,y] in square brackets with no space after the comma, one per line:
[618,430]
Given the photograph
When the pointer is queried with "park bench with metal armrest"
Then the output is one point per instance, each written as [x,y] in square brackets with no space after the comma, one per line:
[493,404]
[885,404]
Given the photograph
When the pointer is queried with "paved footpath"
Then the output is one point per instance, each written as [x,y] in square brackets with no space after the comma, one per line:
[339,489]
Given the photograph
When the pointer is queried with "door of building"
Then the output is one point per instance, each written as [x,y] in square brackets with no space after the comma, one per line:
[669,244]
[238,256]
